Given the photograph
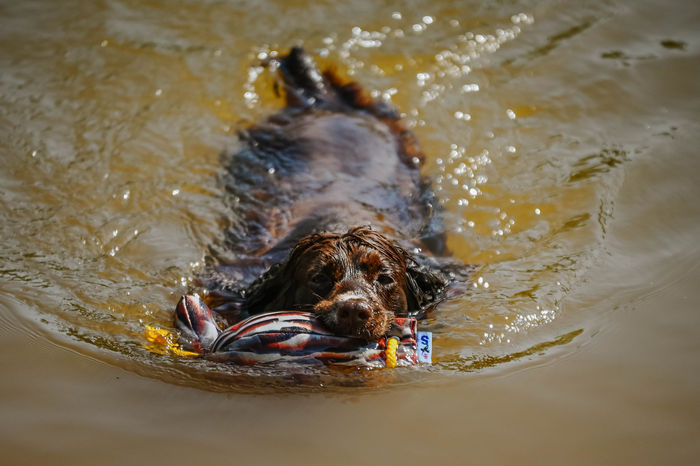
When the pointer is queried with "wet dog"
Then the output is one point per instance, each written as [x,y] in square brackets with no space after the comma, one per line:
[330,200]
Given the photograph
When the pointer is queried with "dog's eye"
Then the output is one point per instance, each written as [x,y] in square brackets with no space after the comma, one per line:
[320,282]
[385,279]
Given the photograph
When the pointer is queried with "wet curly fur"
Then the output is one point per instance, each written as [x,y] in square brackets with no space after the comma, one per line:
[356,282]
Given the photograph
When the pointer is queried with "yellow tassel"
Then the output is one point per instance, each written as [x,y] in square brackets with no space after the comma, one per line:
[164,342]
[392,345]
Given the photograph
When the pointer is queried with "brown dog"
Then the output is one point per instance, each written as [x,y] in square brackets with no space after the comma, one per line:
[332,159]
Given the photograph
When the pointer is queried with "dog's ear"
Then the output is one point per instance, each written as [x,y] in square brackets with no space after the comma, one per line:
[275,289]
[269,291]
[425,287]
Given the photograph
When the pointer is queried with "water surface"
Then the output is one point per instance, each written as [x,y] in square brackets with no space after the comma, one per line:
[561,138]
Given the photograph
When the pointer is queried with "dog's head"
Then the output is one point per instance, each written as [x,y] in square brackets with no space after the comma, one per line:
[356,282]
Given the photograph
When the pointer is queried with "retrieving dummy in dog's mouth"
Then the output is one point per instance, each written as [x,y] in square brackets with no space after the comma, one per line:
[332,215]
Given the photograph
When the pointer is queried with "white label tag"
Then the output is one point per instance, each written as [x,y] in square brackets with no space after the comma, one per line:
[424,346]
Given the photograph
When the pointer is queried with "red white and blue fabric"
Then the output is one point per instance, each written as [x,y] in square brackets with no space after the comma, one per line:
[286,336]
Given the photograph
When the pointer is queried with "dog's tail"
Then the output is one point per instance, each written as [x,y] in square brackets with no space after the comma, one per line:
[303,83]
[306,86]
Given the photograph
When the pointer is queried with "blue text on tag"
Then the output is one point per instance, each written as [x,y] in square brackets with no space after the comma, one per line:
[424,343]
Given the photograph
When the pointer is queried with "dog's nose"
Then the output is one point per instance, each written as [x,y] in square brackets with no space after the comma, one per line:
[355,311]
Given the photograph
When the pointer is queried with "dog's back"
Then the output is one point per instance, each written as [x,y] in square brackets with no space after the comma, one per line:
[332,158]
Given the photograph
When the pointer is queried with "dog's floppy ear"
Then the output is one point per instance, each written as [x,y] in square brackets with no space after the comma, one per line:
[275,289]
[269,291]
[425,287]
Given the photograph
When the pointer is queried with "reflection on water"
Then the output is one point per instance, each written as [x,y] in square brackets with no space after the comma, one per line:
[113,120]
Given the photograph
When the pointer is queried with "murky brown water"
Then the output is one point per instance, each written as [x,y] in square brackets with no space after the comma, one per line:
[562,138]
